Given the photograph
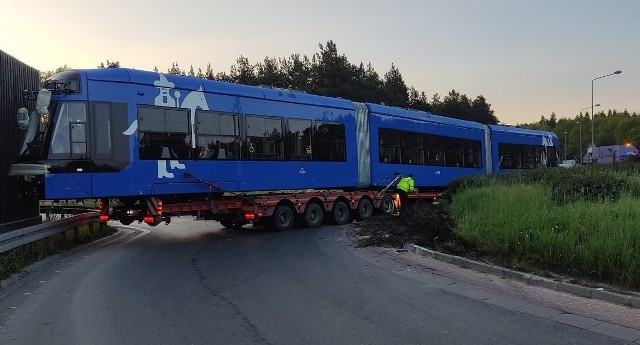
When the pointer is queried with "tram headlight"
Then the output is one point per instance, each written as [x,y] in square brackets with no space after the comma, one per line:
[23,118]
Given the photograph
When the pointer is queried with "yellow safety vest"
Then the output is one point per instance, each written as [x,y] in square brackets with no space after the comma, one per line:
[406,184]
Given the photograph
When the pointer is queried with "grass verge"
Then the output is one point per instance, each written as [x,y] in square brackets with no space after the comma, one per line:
[17,259]
[532,224]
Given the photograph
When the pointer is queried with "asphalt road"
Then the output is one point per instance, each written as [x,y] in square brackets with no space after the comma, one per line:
[195,283]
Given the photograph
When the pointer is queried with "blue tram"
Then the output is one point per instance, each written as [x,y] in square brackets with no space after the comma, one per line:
[129,134]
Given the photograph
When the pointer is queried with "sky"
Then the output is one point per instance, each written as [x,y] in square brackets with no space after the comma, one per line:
[527,58]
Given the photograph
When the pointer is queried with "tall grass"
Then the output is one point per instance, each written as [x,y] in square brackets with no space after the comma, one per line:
[552,228]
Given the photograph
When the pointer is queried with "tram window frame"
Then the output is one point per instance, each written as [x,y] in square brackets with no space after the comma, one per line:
[473,157]
[413,148]
[435,147]
[390,145]
[552,156]
[329,142]
[454,152]
[220,132]
[262,142]
[64,144]
[505,154]
[514,156]
[299,146]
[164,133]
[102,124]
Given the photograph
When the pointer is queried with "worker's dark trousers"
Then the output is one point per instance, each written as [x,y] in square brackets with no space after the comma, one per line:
[404,199]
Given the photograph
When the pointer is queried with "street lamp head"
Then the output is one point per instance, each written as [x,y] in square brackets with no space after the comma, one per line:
[617,72]
[597,105]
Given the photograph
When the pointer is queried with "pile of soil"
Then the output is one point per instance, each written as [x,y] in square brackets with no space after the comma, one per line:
[421,223]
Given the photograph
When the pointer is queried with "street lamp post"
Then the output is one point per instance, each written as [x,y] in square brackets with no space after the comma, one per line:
[580,125]
[592,116]
[565,146]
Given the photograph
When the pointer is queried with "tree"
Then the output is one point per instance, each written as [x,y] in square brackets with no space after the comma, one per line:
[373,85]
[208,74]
[48,74]
[243,72]
[418,100]
[109,64]
[331,73]
[456,105]
[269,72]
[552,121]
[175,69]
[481,111]
[436,103]
[297,71]
[366,85]
[395,91]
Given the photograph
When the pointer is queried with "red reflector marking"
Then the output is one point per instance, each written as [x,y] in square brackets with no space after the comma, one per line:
[104,217]
[148,219]
[249,216]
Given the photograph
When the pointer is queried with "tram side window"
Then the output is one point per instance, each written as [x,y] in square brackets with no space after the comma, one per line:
[390,145]
[515,156]
[102,136]
[435,149]
[329,142]
[264,138]
[70,135]
[472,158]
[507,154]
[528,157]
[163,133]
[218,135]
[552,156]
[413,148]
[299,140]
[454,154]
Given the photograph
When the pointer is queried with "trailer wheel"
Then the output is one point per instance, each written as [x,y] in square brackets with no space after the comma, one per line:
[340,213]
[387,205]
[126,221]
[364,210]
[313,215]
[282,218]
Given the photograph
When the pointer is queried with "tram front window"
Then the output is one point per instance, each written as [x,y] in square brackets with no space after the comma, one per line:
[36,132]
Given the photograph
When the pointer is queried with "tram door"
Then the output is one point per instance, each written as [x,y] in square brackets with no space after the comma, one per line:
[69,156]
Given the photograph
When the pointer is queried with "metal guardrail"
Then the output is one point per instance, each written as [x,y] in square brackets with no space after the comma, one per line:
[16,238]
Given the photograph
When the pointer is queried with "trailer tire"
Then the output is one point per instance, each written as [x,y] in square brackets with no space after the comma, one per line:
[282,218]
[387,205]
[364,210]
[313,215]
[340,213]
[126,221]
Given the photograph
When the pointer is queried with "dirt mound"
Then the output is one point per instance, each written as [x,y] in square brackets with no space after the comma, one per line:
[424,224]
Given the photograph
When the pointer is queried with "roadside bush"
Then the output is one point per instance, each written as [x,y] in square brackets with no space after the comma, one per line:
[595,183]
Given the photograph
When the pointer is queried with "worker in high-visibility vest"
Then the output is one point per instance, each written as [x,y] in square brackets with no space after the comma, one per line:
[405,186]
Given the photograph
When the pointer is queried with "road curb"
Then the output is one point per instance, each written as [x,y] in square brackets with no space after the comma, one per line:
[578,290]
